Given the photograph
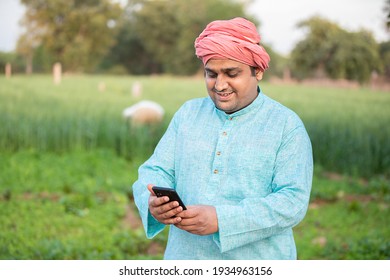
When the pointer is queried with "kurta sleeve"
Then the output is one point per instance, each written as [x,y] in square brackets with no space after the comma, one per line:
[257,218]
[157,170]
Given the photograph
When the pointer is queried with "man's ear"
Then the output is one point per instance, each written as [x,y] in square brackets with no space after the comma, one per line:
[259,74]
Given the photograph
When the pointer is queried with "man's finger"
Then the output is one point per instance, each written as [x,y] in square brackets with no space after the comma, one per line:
[170,221]
[150,186]
[159,201]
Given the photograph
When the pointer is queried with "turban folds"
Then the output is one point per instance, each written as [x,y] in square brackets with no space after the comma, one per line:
[235,39]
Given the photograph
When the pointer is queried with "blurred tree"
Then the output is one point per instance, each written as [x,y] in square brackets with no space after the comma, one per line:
[330,51]
[309,56]
[27,44]
[384,51]
[384,47]
[387,11]
[13,58]
[129,52]
[74,32]
[355,56]
[158,36]
[277,65]
[42,60]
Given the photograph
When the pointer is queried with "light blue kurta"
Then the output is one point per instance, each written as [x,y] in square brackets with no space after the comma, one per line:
[255,166]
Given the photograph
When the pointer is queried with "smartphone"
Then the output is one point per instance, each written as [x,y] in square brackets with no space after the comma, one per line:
[171,193]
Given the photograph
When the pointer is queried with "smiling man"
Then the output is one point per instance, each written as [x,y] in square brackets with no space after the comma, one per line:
[241,162]
[231,85]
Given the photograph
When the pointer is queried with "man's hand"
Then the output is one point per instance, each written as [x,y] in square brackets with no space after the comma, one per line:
[198,219]
[162,209]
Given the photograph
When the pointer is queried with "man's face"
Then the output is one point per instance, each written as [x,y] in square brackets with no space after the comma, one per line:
[231,84]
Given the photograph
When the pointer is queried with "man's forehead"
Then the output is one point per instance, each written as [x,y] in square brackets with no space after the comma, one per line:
[222,69]
[224,65]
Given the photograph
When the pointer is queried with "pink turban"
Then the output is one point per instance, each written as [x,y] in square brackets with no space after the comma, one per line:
[235,39]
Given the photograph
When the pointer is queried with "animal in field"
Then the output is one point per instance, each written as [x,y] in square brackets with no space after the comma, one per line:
[144,112]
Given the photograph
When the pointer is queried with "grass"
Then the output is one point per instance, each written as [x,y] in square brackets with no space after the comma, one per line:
[68,160]
[72,206]
[345,229]
[75,206]
[347,219]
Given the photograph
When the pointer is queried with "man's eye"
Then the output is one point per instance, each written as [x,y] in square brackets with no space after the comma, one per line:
[233,75]
[211,75]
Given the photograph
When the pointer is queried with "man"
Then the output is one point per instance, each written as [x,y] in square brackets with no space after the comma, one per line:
[241,162]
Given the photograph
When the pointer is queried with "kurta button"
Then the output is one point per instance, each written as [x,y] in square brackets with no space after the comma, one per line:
[218,153]
[224,133]
[230,118]
[215,171]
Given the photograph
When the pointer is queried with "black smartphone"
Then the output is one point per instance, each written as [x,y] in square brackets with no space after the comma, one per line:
[171,193]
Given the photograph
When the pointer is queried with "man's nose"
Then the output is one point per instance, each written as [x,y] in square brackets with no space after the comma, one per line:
[220,83]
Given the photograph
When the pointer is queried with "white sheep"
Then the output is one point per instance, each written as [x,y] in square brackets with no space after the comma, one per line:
[144,112]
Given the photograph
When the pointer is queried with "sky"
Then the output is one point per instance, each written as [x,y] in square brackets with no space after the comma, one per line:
[278,19]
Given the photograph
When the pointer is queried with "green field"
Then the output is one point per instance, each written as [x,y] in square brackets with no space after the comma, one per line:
[68,160]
